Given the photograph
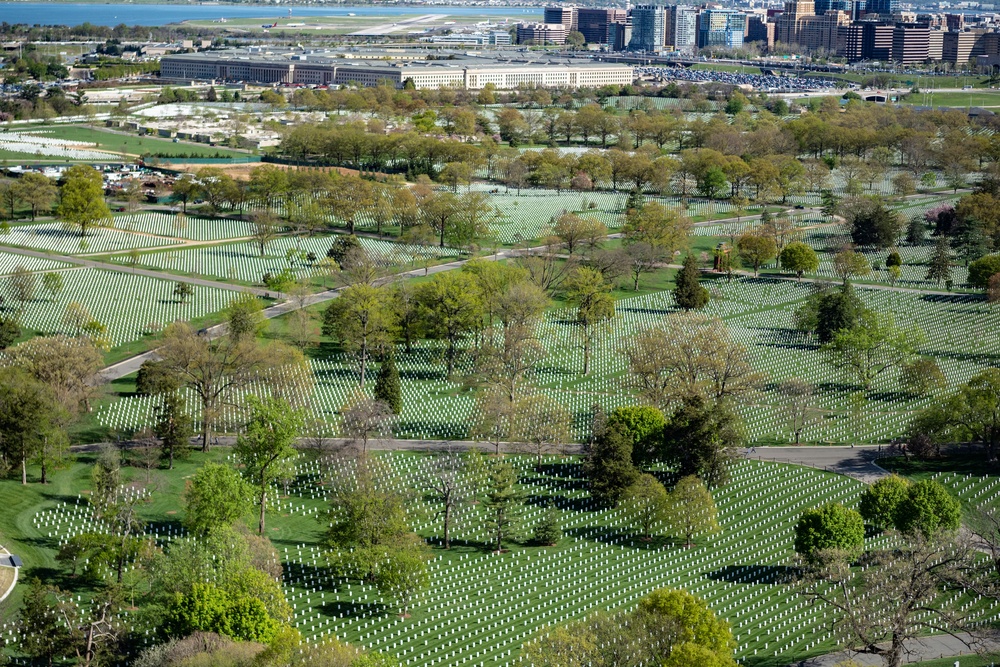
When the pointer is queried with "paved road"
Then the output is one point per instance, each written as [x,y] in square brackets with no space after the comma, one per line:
[856,462]
[925,648]
[132,364]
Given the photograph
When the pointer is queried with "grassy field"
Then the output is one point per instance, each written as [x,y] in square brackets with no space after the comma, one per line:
[481,606]
[743,69]
[136,145]
[956,99]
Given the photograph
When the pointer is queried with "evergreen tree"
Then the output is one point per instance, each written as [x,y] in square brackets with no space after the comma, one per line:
[970,242]
[502,502]
[915,230]
[940,266]
[635,201]
[609,465]
[837,311]
[387,388]
[689,294]
[547,531]
[45,637]
[173,427]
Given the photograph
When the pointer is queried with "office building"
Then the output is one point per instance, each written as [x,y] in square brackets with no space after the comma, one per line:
[824,6]
[541,33]
[562,15]
[760,30]
[876,41]
[721,28]
[329,68]
[681,28]
[492,38]
[884,8]
[960,47]
[648,28]
[910,43]
[593,23]
[619,35]
[800,25]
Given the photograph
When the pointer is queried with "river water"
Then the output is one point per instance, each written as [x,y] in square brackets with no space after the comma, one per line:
[111,14]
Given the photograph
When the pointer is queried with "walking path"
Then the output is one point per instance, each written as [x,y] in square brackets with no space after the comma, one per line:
[918,650]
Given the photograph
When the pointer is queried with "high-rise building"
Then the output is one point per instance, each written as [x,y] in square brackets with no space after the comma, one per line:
[910,43]
[787,25]
[619,35]
[721,27]
[563,15]
[682,28]
[876,40]
[882,7]
[648,28]
[541,33]
[960,47]
[759,29]
[823,6]
[593,23]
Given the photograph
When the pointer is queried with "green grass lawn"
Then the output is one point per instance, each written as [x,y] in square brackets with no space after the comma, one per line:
[136,145]
[975,98]
[743,69]
[480,606]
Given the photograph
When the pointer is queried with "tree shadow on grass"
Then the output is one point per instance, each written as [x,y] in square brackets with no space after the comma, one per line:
[755,574]
[336,609]
[60,577]
[623,539]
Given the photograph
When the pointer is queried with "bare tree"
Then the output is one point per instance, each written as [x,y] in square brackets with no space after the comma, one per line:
[689,355]
[544,426]
[366,419]
[545,267]
[447,489]
[896,595]
[799,408]
[146,453]
[218,370]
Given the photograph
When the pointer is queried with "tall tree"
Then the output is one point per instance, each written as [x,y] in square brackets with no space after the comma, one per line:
[37,191]
[362,320]
[689,355]
[502,501]
[608,465]
[265,447]
[874,345]
[645,502]
[349,199]
[216,496]
[218,369]
[447,489]
[27,408]
[451,308]
[688,292]
[895,596]
[829,527]
[387,385]
[701,438]
[81,201]
[940,263]
[691,510]
[173,427]
[756,249]
[594,307]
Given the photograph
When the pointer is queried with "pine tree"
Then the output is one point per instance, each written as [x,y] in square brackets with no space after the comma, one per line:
[547,531]
[173,427]
[635,201]
[970,242]
[609,466]
[940,268]
[387,387]
[689,294]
